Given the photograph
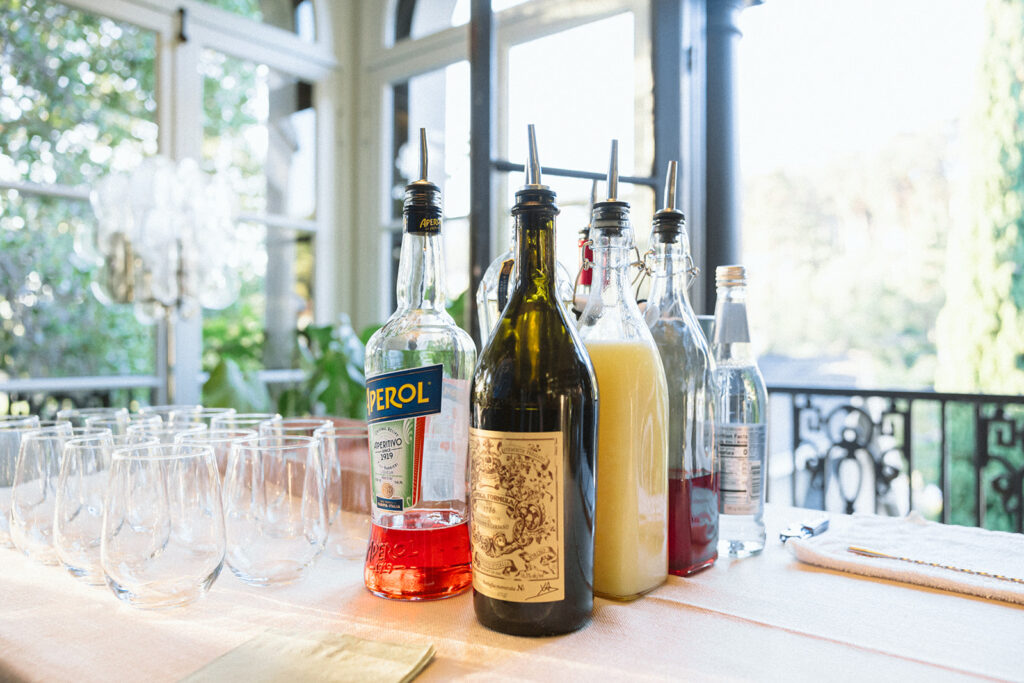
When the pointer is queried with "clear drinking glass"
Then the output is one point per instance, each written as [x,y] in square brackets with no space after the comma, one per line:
[242,420]
[79,417]
[347,468]
[275,508]
[163,526]
[34,493]
[81,486]
[167,433]
[120,425]
[11,429]
[219,440]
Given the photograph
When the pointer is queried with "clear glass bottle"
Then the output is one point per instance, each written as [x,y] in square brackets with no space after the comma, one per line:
[689,370]
[418,367]
[741,420]
[631,537]
[533,441]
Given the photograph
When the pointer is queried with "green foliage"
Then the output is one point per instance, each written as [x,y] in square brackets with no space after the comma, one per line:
[332,356]
[237,331]
[981,327]
[229,387]
[78,100]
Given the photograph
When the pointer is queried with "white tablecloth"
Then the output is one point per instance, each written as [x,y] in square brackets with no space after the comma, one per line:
[766,617]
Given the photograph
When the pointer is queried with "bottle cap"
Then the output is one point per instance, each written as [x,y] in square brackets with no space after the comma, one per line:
[422,208]
[669,221]
[730,276]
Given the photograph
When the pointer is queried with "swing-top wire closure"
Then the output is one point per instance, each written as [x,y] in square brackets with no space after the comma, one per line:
[642,264]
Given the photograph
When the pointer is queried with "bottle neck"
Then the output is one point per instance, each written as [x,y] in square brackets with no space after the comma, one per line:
[670,280]
[732,333]
[611,283]
[421,272]
[533,244]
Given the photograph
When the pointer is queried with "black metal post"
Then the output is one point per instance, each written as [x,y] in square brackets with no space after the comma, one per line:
[667,46]
[722,208]
[482,60]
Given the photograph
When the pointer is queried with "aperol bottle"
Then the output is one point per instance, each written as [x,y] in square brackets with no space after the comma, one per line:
[418,367]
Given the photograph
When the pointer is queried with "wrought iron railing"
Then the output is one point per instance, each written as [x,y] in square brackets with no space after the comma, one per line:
[957,458]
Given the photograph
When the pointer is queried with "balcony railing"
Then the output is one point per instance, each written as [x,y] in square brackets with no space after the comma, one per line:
[958,458]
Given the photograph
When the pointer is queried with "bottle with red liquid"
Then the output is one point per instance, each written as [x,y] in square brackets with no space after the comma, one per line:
[418,367]
[689,369]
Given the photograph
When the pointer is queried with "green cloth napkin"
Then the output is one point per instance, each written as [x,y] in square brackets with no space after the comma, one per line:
[294,657]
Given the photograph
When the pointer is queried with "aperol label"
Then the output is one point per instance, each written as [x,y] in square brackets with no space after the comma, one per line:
[516,519]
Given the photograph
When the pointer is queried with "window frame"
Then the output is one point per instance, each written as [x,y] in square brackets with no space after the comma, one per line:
[182,31]
[383,65]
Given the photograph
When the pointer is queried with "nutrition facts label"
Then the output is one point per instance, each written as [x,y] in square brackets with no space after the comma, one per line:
[741,455]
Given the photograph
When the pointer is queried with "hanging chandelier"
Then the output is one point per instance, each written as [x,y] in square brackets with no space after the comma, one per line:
[163,240]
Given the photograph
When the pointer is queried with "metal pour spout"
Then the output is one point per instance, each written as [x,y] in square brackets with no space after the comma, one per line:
[533,180]
[423,160]
[670,187]
[613,173]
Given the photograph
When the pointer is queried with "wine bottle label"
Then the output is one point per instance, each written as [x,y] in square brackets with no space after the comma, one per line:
[503,278]
[741,452]
[516,511]
[397,407]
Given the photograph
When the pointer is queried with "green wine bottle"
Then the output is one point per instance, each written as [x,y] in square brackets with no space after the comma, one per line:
[533,445]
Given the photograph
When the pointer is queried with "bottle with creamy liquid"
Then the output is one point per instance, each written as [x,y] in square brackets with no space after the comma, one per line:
[631,534]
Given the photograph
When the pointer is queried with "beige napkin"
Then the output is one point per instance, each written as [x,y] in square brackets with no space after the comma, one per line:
[295,657]
[993,552]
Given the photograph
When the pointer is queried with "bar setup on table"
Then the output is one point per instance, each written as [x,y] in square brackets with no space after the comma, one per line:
[595,451]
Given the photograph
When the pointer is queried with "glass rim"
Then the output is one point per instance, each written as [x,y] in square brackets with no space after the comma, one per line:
[13,421]
[169,407]
[49,432]
[290,443]
[165,427]
[351,432]
[95,411]
[203,410]
[129,452]
[216,435]
[300,422]
[97,434]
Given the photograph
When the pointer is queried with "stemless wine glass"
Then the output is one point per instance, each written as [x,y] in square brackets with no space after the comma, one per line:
[242,420]
[35,487]
[78,513]
[347,468]
[275,509]
[11,429]
[219,440]
[162,542]
[79,417]
[120,425]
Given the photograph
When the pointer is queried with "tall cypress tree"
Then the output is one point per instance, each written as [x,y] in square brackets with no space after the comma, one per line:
[980,331]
